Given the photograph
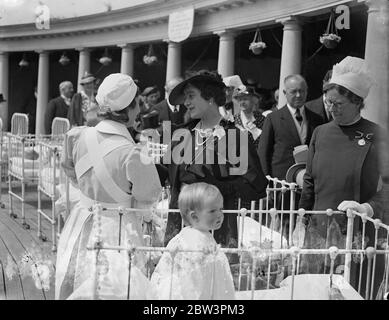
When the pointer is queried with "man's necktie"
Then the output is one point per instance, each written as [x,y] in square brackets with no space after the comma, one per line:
[298,116]
[175,109]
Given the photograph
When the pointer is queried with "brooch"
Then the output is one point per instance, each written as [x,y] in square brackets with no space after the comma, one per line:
[363,137]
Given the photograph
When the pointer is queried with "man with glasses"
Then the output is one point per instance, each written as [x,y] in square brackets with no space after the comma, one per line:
[287,128]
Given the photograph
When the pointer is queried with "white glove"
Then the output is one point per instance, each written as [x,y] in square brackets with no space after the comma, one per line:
[356,206]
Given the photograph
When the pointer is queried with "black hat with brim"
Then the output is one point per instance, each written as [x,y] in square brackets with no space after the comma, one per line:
[176,97]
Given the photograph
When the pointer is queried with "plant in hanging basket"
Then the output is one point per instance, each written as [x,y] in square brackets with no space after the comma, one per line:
[330,40]
[257,47]
[64,60]
[150,60]
[105,61]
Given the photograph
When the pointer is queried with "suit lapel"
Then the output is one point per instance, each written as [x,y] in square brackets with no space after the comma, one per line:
[288,122]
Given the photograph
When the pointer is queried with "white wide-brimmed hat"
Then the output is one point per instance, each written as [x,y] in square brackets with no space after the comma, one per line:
[233,81]
[116,92]
[353,74]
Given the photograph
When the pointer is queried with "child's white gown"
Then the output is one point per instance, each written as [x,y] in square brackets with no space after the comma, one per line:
[196,276]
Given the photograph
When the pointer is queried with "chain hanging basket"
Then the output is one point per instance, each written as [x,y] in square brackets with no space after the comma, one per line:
[330,38]
[150,58]
[257,45]
[105,60]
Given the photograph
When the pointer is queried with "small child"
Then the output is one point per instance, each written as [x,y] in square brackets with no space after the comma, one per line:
[195,275]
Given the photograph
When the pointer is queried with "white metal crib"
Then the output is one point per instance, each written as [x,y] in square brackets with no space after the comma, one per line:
[51,179]
[276,253]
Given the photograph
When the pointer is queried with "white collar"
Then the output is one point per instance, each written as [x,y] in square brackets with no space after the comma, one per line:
[67,100]
[293,110]
[172,107]
[113,127]
[245,119]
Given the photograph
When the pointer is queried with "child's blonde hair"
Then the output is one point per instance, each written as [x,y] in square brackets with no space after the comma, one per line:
[192,198]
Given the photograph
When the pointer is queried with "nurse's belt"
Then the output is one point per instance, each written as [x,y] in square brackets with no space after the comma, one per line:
[95,159]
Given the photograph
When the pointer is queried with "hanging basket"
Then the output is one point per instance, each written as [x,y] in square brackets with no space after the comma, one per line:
[330,38]
[150,58]
[64,60]
[257,45]
[105,60]
[330,41]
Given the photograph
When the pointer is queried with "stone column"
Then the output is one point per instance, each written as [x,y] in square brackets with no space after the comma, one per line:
[127,61]
[173,65]
[377,58]
[83,64]
[4,72]
[291,53]
[226,59]
[43,91]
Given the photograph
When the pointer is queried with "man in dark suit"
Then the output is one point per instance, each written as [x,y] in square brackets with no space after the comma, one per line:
[168,112]
[58,107]
[318,105]
[286,128]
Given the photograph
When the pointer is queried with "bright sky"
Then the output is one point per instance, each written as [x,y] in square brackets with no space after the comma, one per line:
[23,11]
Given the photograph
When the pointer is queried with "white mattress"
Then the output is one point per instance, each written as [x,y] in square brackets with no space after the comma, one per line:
[28,173]
[306,287]
[28,164]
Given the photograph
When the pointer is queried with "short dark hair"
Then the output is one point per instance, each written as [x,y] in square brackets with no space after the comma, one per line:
[351,96]
[210,89]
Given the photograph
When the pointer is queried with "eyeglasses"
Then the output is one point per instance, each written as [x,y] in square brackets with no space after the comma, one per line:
[337,105]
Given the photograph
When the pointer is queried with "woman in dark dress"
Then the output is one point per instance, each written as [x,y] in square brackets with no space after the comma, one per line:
[347,164]
[206,135]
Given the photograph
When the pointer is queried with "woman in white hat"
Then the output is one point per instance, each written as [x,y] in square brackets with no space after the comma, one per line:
[107,167]
[347,166]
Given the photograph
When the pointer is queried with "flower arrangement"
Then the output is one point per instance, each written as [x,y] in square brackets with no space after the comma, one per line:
[105,61]
[330,40]
[64,60]
[330,37]
[219,132]
[150,58]
[257,45]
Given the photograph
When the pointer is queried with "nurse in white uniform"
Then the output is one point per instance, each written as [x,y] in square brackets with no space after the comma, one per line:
[110,170]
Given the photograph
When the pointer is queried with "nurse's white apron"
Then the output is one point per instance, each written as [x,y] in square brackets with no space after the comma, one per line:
[81,213]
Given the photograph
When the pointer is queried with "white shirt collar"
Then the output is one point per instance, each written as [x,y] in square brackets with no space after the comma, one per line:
[171,106]
[67,100]
[293,110]
[244,118]
[113,127]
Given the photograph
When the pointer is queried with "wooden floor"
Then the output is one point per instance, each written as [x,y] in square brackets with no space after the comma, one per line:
[22,253]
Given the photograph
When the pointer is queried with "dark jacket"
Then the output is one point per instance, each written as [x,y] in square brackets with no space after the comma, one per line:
[343,166]
[56,108]
[249,186]
[278,139]
[317,106]
[75,114]
[165,114]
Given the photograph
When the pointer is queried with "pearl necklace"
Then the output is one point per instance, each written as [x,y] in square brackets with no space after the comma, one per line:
[203,133]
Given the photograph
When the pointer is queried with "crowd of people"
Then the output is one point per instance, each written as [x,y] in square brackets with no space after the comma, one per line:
[346,165]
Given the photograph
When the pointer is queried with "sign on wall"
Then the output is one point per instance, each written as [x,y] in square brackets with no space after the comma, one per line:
[181,24]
